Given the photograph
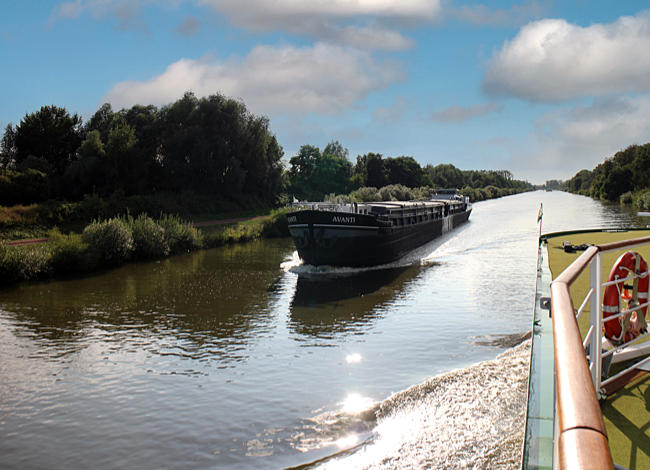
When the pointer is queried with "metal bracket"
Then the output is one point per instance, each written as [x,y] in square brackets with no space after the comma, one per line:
[545,303]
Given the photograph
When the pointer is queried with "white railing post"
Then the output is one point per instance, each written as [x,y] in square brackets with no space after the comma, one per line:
[596,321]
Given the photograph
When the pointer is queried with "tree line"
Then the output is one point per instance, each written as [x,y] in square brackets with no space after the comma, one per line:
[624,177]
[212,146]
[314,175]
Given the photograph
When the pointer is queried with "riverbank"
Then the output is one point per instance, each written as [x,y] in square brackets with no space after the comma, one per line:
[113,242]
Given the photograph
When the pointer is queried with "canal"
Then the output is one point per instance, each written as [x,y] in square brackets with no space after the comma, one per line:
[243,358]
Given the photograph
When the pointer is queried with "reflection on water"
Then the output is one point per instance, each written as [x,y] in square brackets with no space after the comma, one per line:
[238,358]
[324,305]
[207,305]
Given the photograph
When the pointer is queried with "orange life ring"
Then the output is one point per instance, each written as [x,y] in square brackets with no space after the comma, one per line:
[633,325]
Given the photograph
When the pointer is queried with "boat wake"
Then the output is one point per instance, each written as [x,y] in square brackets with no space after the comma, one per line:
[468,418]
[296,266]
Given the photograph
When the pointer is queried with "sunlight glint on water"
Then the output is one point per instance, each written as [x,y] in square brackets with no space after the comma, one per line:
[241,357]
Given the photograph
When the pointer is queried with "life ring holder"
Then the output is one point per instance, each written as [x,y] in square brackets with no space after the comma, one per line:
[633,323]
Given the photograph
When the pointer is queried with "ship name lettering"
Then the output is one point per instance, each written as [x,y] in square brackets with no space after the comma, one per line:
[345,220]
[292,218]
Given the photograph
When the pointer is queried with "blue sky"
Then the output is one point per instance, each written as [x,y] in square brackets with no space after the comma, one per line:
[541,88]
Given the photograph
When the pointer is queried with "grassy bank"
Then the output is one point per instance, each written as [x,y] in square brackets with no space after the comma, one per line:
[112,242]
[34,220]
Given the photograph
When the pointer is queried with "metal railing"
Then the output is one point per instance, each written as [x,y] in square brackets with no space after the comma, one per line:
[582,439]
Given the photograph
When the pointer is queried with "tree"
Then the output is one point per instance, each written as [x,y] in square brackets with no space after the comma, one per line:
[370,170]
[51,134]
[8,147]
[445,175]
[313,175]
[101,121]
[403,170]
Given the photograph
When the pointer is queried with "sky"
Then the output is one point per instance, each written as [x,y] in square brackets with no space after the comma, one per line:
[540,88]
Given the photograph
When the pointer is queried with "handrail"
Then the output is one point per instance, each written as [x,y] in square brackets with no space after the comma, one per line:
[582,440]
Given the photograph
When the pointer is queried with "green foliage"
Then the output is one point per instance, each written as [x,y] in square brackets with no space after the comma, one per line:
[642,201]
[404,171]
[276,224]
[69,253]
[110,240]
[22,187]
[23,263]
[212,146]
[395,192]
[312,174]
[366,194]
[180,236]
[626,171]
[50,133]
[627,199]
[149,239]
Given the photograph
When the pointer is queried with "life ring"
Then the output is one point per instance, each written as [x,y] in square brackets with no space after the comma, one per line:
[629,326]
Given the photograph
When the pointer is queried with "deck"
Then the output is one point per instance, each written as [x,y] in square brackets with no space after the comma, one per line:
[626,411]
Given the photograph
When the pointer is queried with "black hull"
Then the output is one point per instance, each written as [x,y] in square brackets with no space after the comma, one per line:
[361,240]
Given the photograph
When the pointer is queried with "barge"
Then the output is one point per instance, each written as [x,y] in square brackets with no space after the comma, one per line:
[372,233]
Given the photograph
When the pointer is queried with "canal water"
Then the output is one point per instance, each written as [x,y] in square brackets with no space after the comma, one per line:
[243,358]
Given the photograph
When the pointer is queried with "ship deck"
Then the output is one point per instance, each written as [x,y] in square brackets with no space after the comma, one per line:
[626,412]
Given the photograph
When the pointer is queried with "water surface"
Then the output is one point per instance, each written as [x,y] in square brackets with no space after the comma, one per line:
[241,357]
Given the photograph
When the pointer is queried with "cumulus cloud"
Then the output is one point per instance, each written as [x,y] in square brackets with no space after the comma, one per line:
[464,113]
[569,140]
[318,79]
[552,60]
[369,24]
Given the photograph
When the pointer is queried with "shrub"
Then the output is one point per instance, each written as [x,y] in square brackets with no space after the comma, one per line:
[643,201]
[626,199]
[276,225]
[149,239]
[366,194]
[180,236]
[111,241]
[23,263]
[69,253]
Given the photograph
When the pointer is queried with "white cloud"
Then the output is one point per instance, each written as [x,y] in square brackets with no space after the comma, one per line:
[318,79]
[359,23]
[568,141]
[367,24]
[553,60]
[254,12]
[464,113]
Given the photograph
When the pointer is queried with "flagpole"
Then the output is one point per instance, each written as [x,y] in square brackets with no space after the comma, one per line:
[540,216]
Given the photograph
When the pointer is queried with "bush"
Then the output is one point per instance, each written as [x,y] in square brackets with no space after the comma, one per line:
[180,236]
[23,263]
[276,225]
[22,187]
[149,239]
[69,254]
[366,194]
[626,199]
[111,241]
[643,201]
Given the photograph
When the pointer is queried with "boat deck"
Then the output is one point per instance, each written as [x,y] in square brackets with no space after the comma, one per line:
[626,412]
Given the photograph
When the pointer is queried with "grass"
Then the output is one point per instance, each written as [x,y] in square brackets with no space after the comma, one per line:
[115,241]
